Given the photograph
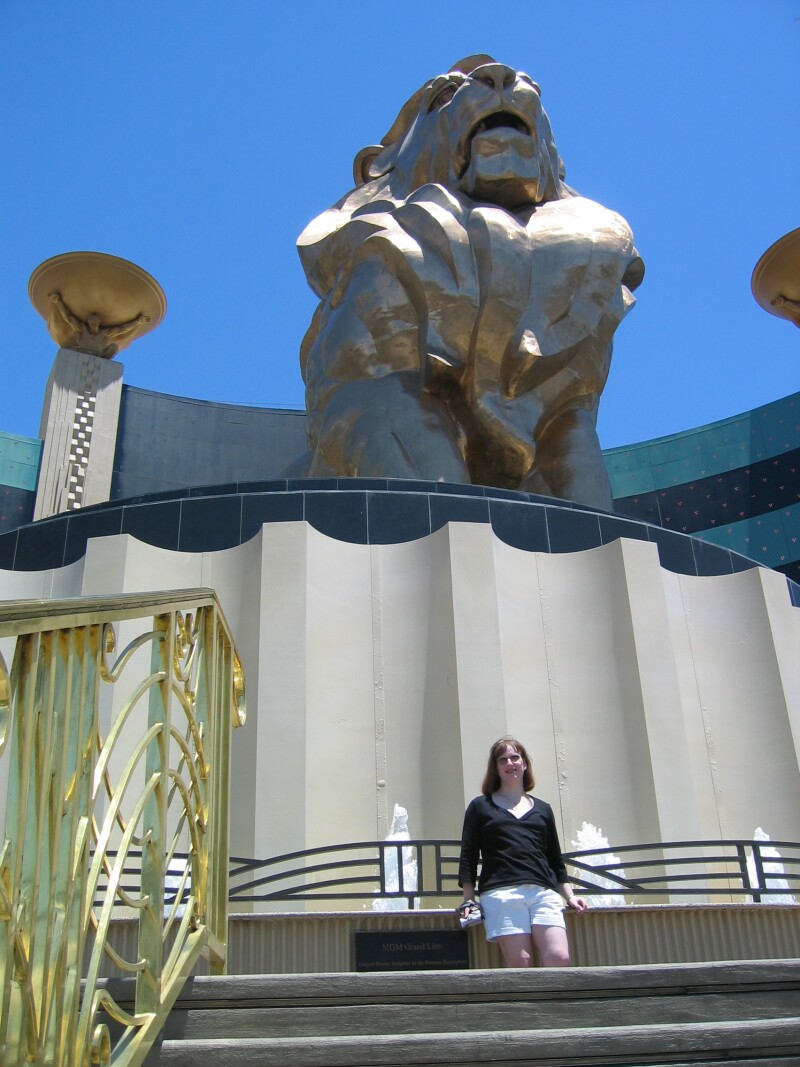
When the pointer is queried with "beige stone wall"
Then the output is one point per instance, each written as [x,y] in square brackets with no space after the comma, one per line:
[656,706]
[297,943]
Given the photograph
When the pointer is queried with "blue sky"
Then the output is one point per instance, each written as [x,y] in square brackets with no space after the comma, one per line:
[198,139]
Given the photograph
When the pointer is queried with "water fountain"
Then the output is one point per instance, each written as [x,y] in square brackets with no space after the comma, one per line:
[592,837]
[398,831]
[773,872]
[176,880]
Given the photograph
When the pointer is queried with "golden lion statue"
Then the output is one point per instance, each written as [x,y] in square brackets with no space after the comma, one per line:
[468,300]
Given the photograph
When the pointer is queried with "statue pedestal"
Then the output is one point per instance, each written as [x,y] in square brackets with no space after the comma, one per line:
[402,627]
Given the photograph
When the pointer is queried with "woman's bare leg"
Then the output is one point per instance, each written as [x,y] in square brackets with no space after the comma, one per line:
[517,950]
[551,946]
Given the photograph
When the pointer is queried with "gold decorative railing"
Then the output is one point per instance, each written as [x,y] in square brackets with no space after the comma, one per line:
[108,752]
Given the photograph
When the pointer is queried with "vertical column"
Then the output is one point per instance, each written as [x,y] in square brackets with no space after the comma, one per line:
[79,432]
[664,756]
[784,623]
[481,675]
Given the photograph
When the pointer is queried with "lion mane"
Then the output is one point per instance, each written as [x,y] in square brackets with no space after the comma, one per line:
[468,299]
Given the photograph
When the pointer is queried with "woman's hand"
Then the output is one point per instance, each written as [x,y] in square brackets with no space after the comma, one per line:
[578,903]
[469,913]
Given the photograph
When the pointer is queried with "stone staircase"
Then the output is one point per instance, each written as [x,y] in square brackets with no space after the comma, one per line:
[742,1013]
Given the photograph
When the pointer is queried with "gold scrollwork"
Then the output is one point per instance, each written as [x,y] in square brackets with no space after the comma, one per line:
[133,813]
[187,628]
[239,705]
[5,704]
[101,1045]
[111,672]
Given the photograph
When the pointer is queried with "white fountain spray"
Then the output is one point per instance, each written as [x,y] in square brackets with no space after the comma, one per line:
[398,831]
[172,885]
[773,872]
[590,837]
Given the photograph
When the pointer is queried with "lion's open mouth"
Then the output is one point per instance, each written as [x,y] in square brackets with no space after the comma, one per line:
[500,119]
[506,121]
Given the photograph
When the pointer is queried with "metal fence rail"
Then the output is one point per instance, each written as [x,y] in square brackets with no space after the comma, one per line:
[736,868]
[427,870]
[420,871]
[361,870]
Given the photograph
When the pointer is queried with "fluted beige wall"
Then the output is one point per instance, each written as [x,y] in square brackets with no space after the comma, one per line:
[656,706]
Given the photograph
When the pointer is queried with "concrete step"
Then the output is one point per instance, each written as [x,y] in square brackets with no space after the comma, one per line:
[456,987]
[737,1012]
[740,1043]
[511,1015]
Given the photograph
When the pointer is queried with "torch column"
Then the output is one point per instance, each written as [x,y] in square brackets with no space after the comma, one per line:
[94,305]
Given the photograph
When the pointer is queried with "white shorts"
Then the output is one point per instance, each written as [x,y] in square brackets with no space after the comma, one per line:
[516,908]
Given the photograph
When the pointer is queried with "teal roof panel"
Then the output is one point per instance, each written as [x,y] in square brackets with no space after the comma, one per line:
[19,461]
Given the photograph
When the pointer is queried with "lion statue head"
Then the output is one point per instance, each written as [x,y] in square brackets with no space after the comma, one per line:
[480,130]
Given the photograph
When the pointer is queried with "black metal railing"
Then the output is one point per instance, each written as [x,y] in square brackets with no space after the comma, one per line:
[363,870]
[419,872]
[733,868]
[371,870]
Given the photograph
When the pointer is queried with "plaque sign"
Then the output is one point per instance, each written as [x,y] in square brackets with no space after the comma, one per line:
[411,950]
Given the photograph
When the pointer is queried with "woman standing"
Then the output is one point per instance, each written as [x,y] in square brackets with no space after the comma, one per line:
[522,872]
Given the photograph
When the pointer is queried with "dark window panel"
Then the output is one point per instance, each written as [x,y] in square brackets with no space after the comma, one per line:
[711,559]
[8,549]
[674,551]
[303,485]
[611,529]
[520,525]
[209,524]
[274,485]
[571,530]
[396,517]
[742,563]
[214,490]
[349,485]
[460,489]
[269,507]
[447,508]
[792,572]
[41,545]
[81,526]
[339,515]
[156,524]
[410,485]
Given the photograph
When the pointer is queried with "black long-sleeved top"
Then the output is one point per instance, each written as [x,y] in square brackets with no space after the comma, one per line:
[512,851]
